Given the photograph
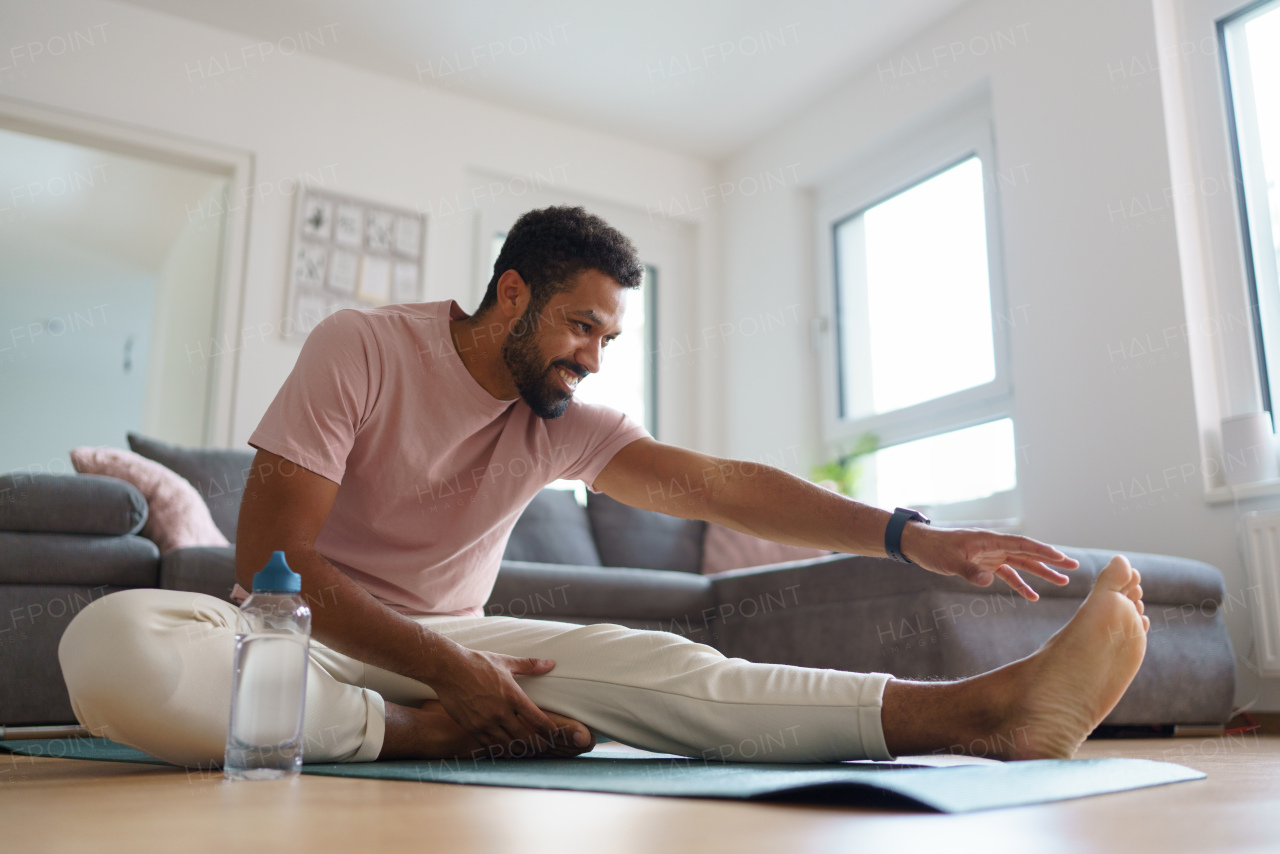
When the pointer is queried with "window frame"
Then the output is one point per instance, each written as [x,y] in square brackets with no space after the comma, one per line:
[651,349]
[1265,307]
[1225,364]
[910,157]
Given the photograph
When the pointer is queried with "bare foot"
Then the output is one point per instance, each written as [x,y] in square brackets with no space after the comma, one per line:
[429,733]
[1064,690]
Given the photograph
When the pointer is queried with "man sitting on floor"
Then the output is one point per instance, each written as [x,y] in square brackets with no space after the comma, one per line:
[391,468]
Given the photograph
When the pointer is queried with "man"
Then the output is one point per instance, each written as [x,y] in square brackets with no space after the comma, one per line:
[391,468]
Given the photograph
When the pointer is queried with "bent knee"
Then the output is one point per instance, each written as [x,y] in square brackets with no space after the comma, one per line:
[152,669]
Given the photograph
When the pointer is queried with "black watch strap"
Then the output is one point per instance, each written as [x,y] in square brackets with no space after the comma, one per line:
[893,531]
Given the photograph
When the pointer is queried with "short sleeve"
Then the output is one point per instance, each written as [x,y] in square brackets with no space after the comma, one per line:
[593,434]
[315,416]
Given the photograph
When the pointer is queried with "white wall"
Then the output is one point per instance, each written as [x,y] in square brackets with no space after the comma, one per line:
[303,115]
[1091,264]
[178,375]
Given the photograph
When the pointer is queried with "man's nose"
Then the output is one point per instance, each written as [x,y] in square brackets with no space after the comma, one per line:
[589,357]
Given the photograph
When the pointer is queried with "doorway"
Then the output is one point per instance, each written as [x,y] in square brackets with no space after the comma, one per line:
[112,288]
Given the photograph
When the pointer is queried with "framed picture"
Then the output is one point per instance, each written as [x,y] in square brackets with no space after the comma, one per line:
[349,253]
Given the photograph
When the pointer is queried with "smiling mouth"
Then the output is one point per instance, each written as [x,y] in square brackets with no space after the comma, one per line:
[569,379]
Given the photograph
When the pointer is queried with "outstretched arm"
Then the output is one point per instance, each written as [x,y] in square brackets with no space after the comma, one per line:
[770,503]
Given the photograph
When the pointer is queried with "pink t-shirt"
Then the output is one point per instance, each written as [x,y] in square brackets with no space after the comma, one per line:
[433,470]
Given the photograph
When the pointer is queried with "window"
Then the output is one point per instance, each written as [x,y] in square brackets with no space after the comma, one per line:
[628,367]
[918,355]
[495,246]
[915,303]
[1251,45]
[949,468]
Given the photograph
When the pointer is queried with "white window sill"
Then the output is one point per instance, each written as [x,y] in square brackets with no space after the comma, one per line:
[1241,492]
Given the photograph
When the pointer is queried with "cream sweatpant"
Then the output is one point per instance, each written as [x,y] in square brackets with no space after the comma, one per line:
[152,669]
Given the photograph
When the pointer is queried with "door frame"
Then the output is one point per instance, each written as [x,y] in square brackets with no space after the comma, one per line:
[236,165]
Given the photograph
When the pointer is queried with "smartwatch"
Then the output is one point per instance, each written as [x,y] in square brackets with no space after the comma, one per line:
[893,531]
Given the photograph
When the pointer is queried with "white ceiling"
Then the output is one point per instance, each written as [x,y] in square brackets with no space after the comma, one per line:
[700,76]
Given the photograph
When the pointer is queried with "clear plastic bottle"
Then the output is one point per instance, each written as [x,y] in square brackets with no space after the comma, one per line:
[269,681]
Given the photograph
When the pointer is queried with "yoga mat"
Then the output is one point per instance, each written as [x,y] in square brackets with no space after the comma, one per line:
[954,789]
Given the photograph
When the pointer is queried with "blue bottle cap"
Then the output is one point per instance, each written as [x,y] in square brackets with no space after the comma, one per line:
[276,576]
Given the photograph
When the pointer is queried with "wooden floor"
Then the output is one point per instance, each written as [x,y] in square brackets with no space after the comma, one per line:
[76,805]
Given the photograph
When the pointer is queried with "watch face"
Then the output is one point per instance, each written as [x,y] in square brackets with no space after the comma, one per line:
[911,515]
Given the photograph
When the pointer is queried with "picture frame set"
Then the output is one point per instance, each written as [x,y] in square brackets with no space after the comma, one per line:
[350,253]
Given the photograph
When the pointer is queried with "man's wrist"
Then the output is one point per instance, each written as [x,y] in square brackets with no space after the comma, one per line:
[896,527]
[439,659]
[913,535]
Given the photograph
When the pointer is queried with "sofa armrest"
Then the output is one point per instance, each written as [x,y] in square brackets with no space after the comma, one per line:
[200,569]
[70,504]
[872,614]
[553,591]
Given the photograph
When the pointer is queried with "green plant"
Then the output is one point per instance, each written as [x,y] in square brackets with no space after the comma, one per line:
[846,470]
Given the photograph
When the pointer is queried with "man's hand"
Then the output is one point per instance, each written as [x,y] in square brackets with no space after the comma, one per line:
[479,691]
[980,556]
[285,506]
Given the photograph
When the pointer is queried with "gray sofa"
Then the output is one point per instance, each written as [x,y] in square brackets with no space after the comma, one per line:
[66,540]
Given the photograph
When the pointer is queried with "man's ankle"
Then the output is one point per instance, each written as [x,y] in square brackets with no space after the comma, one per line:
[961,717]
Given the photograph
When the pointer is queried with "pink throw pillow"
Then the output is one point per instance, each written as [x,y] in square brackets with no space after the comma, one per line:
[177,516]
[724,549]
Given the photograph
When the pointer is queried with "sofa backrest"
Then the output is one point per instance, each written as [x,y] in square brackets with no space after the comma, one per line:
[554,528]
[644,539]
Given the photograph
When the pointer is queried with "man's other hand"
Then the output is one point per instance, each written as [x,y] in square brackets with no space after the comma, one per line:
[981,557]
[479,691]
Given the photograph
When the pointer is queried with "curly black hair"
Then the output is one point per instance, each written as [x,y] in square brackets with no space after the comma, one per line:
[548,247]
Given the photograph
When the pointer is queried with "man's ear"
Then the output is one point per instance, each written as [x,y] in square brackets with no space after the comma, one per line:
[513,294]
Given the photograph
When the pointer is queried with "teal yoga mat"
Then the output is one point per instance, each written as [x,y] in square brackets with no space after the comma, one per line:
[953,789]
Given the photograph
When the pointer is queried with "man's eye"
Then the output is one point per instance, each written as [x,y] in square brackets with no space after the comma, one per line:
[586,328]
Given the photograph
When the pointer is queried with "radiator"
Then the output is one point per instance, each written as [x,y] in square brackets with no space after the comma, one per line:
[1262,562]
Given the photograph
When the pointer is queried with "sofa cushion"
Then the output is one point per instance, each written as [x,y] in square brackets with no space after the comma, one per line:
[554,528]
[552,592]
[176,514]
[70,504]
[218,474]
[643,539]
[77,559]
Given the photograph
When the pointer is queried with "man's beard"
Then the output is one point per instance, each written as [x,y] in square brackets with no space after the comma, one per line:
[534,378]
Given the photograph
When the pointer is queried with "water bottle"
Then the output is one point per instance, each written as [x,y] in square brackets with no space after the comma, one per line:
[269,681]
